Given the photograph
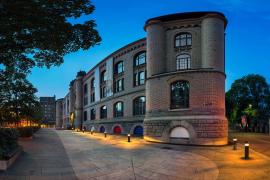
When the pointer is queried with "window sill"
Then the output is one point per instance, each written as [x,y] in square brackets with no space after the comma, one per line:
[177,110]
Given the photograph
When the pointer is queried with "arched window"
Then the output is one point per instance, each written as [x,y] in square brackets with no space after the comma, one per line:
[180,133]
[93,114]
[140,59]
[139,106]
[179,95]
[183,61]
[119,67]
[103,112]
[182,40]
[119,109]
[103,76]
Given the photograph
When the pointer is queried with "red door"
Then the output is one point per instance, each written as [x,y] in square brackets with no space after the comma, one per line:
[117,130]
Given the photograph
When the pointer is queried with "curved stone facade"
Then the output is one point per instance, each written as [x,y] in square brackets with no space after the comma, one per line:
[184,47]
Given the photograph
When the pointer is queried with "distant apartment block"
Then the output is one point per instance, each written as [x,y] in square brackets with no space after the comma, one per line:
[48,107]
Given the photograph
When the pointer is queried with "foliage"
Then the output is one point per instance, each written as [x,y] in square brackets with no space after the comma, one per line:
[249,96]
[25,131]
[8,141]
[17,97]
[40,33]
[37,33]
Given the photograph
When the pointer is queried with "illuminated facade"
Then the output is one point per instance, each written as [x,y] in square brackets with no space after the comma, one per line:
[168,86]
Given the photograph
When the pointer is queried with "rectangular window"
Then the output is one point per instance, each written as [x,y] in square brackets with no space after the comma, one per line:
[119,85]
[92,97]
[85,115]
[103,92]
[93,114]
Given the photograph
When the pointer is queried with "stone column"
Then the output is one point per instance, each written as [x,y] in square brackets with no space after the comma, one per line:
[59,113]
[212,40]
[78,102]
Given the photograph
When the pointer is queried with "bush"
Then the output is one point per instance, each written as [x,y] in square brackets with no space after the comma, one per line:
[25,131]
[8,141]
[36,128]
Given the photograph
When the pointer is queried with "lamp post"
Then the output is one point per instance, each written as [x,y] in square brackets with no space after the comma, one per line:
[234,143]
[246,150]
[128,137]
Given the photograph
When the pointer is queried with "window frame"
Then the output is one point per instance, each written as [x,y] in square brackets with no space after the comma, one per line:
[118,114]
[137,109]
[93,114]
[136,57]
[102,115]
[186,96]
[187,39]
[186,60]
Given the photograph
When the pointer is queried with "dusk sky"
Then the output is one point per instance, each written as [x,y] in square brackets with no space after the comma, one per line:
[120,22]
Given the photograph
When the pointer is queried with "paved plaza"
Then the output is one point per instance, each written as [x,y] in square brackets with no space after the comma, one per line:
[67,154]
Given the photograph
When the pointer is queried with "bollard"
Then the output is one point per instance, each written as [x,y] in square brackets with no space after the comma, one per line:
[105,134]
[128,137]
[234,143]
[246,150]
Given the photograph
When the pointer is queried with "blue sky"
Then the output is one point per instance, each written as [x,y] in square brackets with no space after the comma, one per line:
[120,22]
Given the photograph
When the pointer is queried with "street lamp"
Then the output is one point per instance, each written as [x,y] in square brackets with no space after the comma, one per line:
[128,137]
[246,150]
[234,143]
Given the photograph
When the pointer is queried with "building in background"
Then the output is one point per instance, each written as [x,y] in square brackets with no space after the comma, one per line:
[49,110]
[168,87]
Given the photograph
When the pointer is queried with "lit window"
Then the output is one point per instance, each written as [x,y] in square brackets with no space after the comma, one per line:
[179,95]
[183,61]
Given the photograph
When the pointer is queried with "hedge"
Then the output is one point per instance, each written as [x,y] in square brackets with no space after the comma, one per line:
[8,141]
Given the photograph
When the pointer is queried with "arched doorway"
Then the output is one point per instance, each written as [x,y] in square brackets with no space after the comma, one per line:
[117,130]
[179,133]
[138,130]
[102,129]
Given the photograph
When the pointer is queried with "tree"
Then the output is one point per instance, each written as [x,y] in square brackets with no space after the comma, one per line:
[249,96]
[17,97]
[39,32]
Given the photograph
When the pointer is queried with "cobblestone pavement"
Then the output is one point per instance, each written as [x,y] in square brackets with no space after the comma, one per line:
[75,155]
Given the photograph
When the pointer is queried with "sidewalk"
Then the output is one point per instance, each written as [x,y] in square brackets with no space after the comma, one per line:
[72,155]
[44,157]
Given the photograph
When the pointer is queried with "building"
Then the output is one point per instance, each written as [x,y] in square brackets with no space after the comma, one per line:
[48,107]
[168,86]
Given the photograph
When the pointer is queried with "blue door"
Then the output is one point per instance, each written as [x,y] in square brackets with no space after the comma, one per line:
[102,129]
[138,130]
